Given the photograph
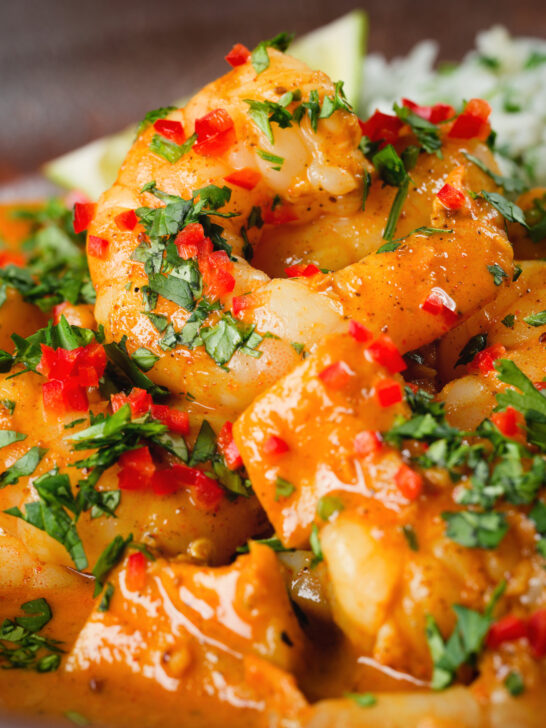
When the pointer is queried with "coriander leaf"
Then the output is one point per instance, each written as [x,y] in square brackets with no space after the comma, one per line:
[390,167]
[425,131]
[509,184]
[273,158]
[314,542]
[274,543]
[222,340]
[104,604]
[509,210]
[538,516]
[153,116]
[388,248]
[514,683]
[7,437]
[283,488]
[536,319]
[364,700]
[110,557]
[118,355]
[508,321]
[476,530]
[396,209]
[498,273]
[204,448]
[529,400]
[337,102]
[472,347]
[169,150]
[39,613]
[22,467]
[411,536]
[144,359]
[327,506]
[172,288]
[260,57]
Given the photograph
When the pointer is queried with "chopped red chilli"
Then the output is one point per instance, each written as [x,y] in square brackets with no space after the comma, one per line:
[508,421]
[127,220]
[473,122]
[435,114]
[135,575]
[408,482]
[275,445]
[97,247]
[336,375]
[301,270]
[239,304]
[83,214]
[238,55]
[172,130]
[451,197]
[439,303]
[383,351]
[281,215]
[484,361]
[215,133]
[507,629]
[367,443]
[228,448]
[359,332]
[388,392]
[136,470]
[381,127]
[246,178]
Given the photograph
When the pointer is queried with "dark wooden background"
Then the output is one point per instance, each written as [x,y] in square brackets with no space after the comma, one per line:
[73,70]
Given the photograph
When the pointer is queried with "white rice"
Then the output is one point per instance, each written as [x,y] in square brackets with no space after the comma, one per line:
[499,69]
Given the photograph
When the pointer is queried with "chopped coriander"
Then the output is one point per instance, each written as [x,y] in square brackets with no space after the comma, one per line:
[169,150]
[77,718]
[509,184]
[536,319]
[425,131]
[364,700]
[327,506]
[337,102]
[411,536]
[204,448]
[476,530]
[22,467]
[464,644]
[366,185]
[514,683]
[9,404]
[298,347]
[7,437]
[509,210]
[508,321]
[110,557]
[129,369]
[255,218]
[529,400]
[274,543]
[396,209]
[273,158]
[21,647]
[389,166]
[283,488]
[314,542]
[264,113]
[472,347]
[144,359]
[498,273]
[518,270]
[388,247]
[260,57]
[153,116]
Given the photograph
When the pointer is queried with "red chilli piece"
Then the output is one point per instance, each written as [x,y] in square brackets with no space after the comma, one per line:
[11,257]
[536,633]
[508,421]
[540,386]
[97,247]
[300,270]
[439,303]
[135,573]
[216,270]
[337,375]
[435,114]
[383,351]
[408,482]
[139,401]
[238,55]
[381,127]
[484,361]
[215,133]
[126,220]
[451,197]
[367,443]
[281,215]
[174,419]
[239,305]
[359,332]
[190,240]
[507,629]
[275,445]
[388,392]
[246,178]
[473,122]
[136,470]
[83,214]
[227,446]
[172,130]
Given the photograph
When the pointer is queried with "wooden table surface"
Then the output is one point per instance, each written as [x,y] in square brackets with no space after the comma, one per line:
[73,70]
